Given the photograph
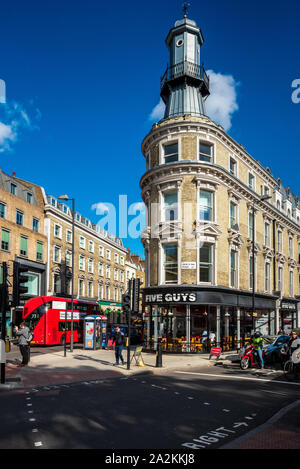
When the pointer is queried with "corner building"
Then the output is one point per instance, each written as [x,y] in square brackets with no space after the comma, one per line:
[211,208]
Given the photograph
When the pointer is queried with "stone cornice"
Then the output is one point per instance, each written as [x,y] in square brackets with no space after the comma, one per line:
[209,127]
[215,175]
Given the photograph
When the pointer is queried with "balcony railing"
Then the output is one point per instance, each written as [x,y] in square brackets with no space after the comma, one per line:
[185,68]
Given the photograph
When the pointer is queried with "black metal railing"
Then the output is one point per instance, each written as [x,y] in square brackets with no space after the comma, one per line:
[185,68]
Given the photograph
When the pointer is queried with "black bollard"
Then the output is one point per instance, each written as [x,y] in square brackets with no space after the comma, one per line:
[159,354]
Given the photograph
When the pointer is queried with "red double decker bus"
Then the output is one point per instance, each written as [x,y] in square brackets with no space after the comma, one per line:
[45,316]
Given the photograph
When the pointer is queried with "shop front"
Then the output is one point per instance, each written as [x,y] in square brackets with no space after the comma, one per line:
[288,314]
[192,319]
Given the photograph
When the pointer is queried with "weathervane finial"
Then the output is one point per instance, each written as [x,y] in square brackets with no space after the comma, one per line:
[185,7]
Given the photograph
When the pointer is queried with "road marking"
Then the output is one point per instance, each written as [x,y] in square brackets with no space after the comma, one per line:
[237,377]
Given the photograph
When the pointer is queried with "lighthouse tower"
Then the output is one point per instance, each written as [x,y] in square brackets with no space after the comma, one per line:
[185,85]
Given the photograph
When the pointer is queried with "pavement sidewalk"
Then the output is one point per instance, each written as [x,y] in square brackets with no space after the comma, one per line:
[83,365]
[282,431]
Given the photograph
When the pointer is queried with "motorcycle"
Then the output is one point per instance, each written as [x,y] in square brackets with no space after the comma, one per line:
[250,358]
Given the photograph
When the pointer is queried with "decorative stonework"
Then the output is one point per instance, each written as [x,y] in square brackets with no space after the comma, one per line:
[257,248]
[292,263]
[169,229]
[235,238]
[268,252]
[206,230]
[280,258]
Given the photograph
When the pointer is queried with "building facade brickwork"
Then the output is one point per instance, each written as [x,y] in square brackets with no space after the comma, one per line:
[22,231]
[206,200]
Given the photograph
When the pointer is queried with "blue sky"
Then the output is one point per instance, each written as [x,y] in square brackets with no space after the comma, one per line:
[82,78]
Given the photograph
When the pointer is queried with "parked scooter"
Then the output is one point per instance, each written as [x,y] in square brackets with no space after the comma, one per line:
[250,358]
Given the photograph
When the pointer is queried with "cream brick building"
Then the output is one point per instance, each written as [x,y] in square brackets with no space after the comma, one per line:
[36,231]
[22,232]
[201,189]
[99,257]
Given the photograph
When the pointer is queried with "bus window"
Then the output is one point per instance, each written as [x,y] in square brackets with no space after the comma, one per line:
[77,326]
[80,307]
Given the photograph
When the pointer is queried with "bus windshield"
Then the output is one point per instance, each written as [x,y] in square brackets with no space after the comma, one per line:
[34,316]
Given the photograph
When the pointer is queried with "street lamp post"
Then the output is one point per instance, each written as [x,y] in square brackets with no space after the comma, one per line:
[262,199]
[66,198]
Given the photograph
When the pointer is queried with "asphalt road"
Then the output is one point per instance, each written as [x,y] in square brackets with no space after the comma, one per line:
[200,409]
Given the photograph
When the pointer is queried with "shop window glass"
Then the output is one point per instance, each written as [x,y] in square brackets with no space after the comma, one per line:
[32,284]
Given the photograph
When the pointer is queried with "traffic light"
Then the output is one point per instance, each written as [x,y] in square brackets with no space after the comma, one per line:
[18,283]
[136,295]
[126,306]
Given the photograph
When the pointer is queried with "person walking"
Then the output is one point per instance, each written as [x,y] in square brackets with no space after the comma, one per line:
[118,342]
[24,343]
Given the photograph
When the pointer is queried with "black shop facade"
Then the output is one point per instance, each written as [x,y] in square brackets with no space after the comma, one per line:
[193,318]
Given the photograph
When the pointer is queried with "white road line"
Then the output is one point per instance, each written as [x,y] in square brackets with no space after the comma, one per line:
[262,380]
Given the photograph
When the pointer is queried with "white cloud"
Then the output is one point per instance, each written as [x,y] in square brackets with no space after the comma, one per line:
[222,102]
[7,136]
[14,119]
[158,111]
